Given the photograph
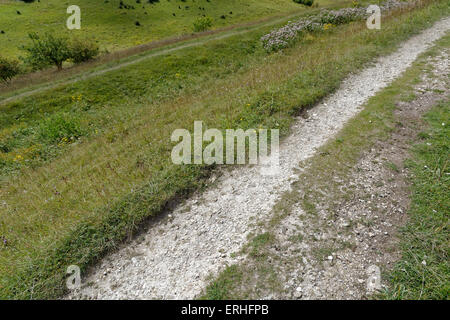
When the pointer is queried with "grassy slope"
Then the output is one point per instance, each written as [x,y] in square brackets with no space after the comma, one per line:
[51,78]
[426,236]
[96,191]
[115,28]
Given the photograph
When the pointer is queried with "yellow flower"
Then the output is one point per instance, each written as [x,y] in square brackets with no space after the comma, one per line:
[327,26]
[177,75]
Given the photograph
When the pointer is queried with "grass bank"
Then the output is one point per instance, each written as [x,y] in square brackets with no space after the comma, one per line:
[424,269]
[108,168]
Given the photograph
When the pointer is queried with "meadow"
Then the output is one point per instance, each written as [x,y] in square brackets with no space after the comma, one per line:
[83,165]
[114,26]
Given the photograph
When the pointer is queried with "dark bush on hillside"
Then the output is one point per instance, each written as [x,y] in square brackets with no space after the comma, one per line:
[46,50]
[82,50]
[8,69]
[308,3]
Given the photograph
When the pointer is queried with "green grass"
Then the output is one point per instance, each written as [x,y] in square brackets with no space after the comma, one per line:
[115,28]
[424,269]
[219,289]
[83,197]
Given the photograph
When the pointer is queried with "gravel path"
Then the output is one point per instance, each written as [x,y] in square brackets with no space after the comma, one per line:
[173,259]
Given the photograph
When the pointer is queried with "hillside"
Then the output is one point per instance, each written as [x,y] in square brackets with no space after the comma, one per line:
[115,28]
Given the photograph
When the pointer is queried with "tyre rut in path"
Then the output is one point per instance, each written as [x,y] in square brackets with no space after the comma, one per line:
[175,256]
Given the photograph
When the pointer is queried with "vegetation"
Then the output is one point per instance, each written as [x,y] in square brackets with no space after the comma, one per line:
[308,3]
[53,50]
[202,24]
[82,50]
[158,20]
[287,35]
[424,270]
[46,50]
[8,69]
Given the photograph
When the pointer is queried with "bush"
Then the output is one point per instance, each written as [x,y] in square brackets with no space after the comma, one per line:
[308,3]
[60,127]
[52,50]
[202,24]
[47,50]
[82,50]
[8,69]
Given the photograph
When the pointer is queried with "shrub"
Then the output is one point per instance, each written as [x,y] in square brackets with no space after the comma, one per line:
[82,50]
[308,3]
[287,35]
[47,50]
[60,127]
[202,24]
[8,69]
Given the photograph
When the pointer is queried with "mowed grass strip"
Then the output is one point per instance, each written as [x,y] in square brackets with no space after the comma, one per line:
[73,209]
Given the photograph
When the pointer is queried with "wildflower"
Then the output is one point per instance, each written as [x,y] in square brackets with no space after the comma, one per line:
[284,36]
[177,75]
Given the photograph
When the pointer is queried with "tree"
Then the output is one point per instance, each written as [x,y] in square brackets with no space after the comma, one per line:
[82,50]
[8,69]
[47,50]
